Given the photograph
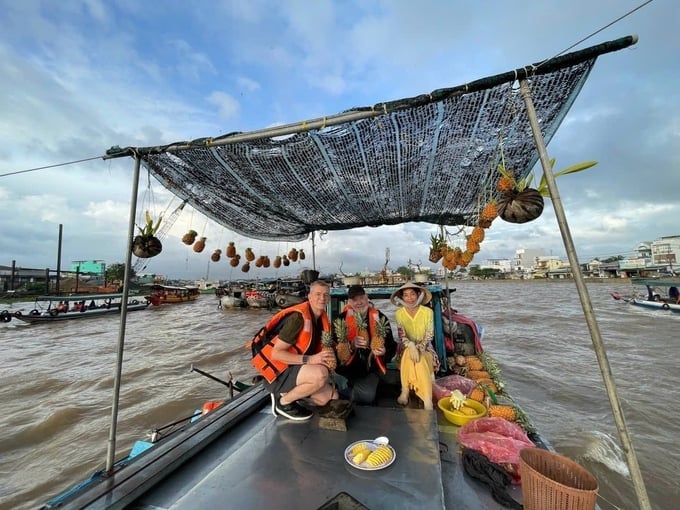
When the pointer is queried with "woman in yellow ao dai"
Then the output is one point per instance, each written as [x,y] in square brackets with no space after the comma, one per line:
[415,326]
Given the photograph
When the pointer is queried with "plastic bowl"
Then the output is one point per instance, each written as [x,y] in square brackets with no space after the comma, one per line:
[458,418]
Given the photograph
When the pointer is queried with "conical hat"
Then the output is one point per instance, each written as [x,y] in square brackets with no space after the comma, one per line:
[411,285]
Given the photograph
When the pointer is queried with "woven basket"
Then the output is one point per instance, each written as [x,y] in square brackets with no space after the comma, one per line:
[553,482]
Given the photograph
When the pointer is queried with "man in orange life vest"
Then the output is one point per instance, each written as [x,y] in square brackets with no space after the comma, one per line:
[366,368]
[293,364]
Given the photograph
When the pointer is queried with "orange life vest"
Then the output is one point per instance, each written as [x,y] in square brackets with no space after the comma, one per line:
[352,331]
[263,342]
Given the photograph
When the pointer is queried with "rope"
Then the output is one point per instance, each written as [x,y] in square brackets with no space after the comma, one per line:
[596,32]
[50,166]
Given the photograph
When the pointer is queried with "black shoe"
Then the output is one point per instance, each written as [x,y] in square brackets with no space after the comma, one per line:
[292,411]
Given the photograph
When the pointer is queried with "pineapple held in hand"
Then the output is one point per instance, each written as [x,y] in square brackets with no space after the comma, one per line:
[327,345]
[382,329]
[344,352]
[361,321]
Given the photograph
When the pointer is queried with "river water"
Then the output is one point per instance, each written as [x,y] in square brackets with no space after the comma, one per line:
[56,382]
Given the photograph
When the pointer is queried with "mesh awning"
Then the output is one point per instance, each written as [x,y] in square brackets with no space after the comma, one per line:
[430,158]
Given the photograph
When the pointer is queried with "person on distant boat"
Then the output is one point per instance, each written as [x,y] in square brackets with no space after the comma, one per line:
[418,360]
[292,362]
[674,295]
[367,365]
[62,307]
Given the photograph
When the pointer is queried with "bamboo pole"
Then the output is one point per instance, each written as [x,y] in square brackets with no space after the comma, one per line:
[111,449]
[600,351]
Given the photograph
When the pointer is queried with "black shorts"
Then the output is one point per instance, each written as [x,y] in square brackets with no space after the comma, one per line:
[284,382]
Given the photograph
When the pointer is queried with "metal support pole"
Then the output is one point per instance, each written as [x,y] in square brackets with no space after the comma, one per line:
[111,450]
[61,236]
[600,351]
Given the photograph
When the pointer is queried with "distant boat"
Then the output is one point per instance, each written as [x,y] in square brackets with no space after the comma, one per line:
[231,298]
[82,306]
[168,294]
[259,299]
[661,294]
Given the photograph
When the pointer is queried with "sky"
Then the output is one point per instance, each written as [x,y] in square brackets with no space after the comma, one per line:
[81,76]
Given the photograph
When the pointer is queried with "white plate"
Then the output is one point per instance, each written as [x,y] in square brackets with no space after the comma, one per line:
[372,446]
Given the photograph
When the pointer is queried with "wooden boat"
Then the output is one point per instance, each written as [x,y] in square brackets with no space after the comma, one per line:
[259,299]
[438,146]
[168,294]
[82,306]
[660,294]
[231,298]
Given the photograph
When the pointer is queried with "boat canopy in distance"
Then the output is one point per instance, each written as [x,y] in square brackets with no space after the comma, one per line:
[430,158]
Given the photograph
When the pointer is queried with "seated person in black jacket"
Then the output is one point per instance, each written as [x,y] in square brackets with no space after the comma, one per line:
[367,366]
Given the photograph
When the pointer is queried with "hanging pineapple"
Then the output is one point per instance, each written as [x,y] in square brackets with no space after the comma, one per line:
[327,345]
[437,248]
[189,237]
[285,260]
[231,250]
[489,213]
[293,255]
[265,261]
[250,256]
[199,245]
[477,234]
[343,350]
[235,260]
[259,261]
[277,262]
[216,255]
[471,245]
[245,267]
[302,254]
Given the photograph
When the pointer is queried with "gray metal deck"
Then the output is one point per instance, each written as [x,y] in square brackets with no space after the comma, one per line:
[268,462]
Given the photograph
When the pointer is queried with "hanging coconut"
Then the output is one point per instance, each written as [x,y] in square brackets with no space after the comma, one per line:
[520,207]
[189,237]
[199,245]
[245,267]
[302,254]
[231,250]
[266,262]
[235,261]
[146,247]
[250,256]
[277,261]
[216,255]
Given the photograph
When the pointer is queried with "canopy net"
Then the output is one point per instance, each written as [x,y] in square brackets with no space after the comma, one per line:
[430,158]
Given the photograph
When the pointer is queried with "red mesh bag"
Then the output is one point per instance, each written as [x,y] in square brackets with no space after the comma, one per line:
[497,439]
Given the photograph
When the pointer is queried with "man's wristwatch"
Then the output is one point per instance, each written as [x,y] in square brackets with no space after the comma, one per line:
[305,359]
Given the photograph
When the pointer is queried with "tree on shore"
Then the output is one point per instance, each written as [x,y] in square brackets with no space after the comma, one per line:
[116,273]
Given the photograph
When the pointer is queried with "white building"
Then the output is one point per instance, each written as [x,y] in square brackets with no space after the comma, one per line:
[525,258]
[666,250]
[503,265]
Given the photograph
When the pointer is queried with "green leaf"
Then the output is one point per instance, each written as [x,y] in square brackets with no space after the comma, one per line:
[578,167]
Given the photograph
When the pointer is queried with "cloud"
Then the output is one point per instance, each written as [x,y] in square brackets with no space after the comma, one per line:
[80,77]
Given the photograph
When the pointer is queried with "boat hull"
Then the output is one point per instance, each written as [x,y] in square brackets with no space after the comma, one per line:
[85,314]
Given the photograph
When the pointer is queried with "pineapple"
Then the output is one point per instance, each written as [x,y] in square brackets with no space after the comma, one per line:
[473,363]
[506,182]
[378,340]
[344,353]
[468,411]
[478,374]
[472,246]
[507,412]
[478,393]
[361,320]
[477,234]
[489,212]
[327,345]
[250,255]
[200,245]
[231,249]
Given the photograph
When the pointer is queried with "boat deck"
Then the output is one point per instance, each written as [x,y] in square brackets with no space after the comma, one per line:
[269,462]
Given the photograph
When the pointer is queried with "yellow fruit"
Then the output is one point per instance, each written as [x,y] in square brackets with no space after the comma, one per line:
[505,183]
[379,456]
[490,212]
[477,234]
[467,410]
[502,411]
[473,363]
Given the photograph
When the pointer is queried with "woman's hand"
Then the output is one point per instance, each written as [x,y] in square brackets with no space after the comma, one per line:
[413,352]
[360,342]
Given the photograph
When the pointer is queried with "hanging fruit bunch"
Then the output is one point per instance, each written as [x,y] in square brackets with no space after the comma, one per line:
[519,202]
[293,255]
[189,237]
[146,244]
[302,254]
[259,261]
[235,260]
[245,267]
[199,245]
[231,250]
[216,255]
[250,255]
[438,243]
[266,262]
[277,262]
